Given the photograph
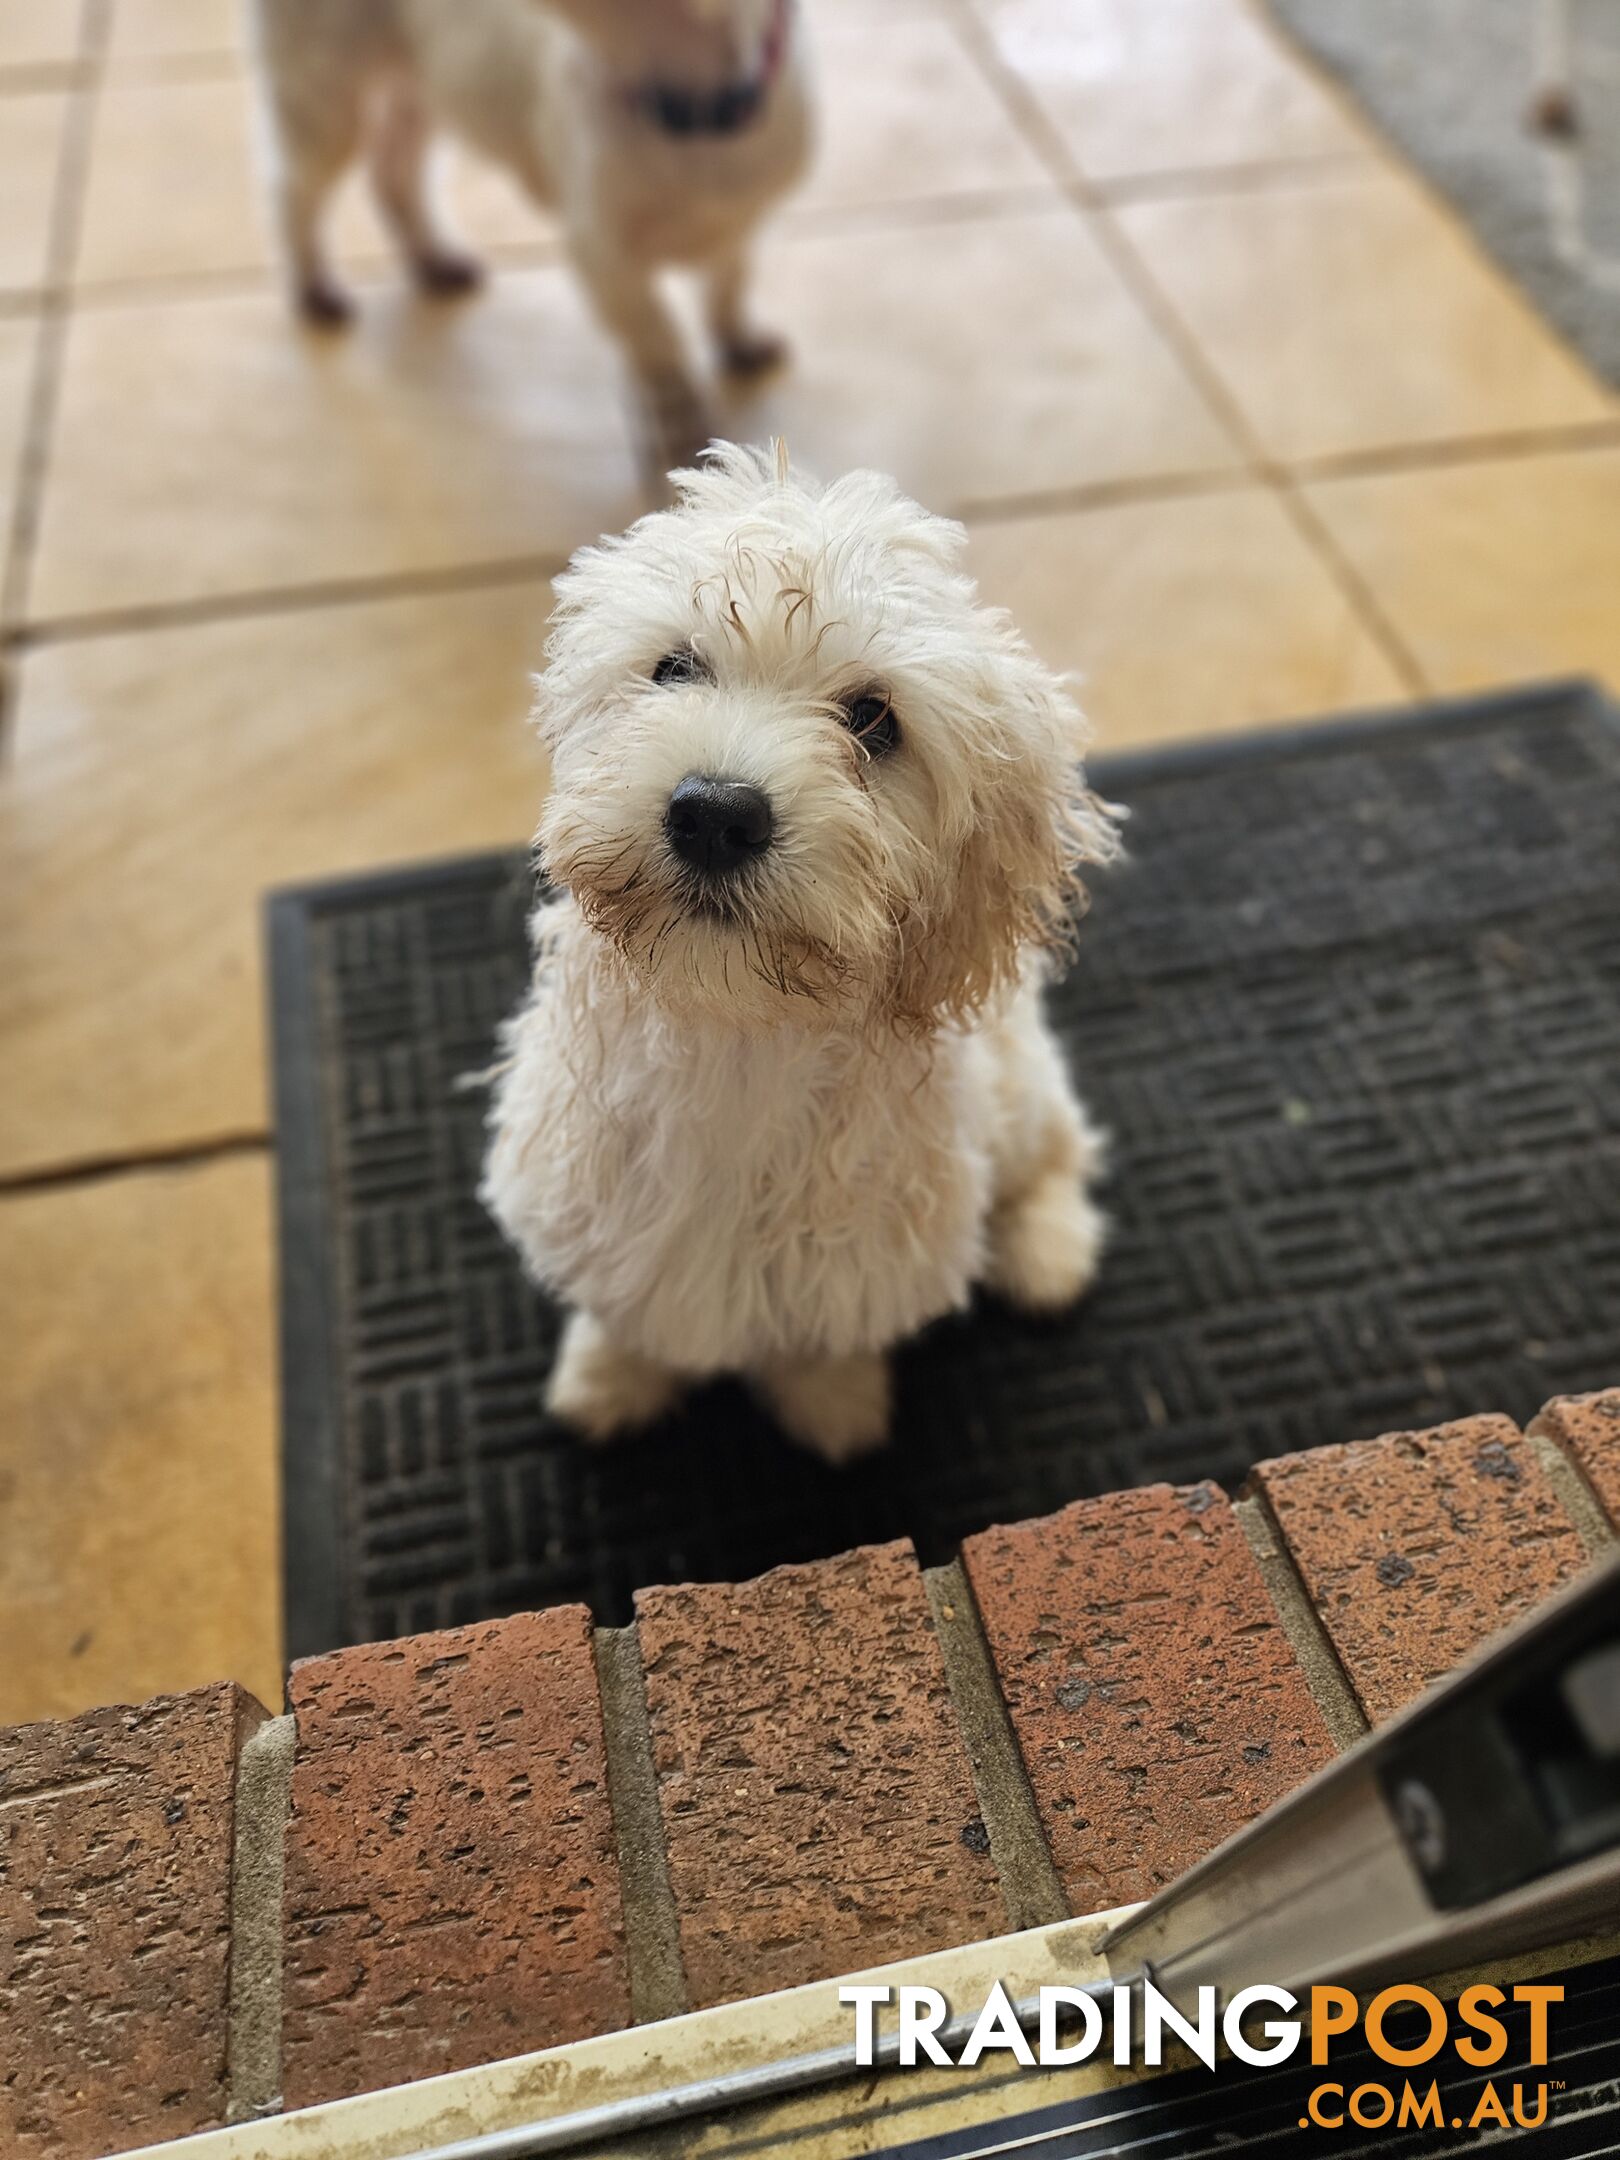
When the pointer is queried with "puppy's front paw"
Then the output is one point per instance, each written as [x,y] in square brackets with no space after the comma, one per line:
[836,1407]
[1045,1246]
[602,1389]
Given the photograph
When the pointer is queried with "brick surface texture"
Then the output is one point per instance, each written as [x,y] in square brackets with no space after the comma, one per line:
[452,1889]
[1418,1547]
[115,1864]
[818,1805]
[1587,1428]
[1154,1696]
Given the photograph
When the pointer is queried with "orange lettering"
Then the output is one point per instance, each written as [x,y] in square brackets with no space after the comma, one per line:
[1538,1998]
[1470,2008]
[1488,2108]
[1333,2011]
[1313,2107]
[1361,2106]
[1385,2001]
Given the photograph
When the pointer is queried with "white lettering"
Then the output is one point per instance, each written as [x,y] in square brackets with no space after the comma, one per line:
[1283,2033]
[923,2010]
[1055,2053]
[1159,2012]
[997,2026]
[865,2001]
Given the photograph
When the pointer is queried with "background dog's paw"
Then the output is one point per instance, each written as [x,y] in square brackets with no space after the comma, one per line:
[446,274]
[602,1389]
[1553,112]
[324,305]
[836,1407]
[754,353]
[1045,1247]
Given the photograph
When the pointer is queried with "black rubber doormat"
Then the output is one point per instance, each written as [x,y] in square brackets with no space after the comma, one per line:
[1352,1014]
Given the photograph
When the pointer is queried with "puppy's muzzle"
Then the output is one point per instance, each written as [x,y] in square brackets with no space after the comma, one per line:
[718,827]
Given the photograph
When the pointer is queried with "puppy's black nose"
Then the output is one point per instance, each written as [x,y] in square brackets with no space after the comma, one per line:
[718,825]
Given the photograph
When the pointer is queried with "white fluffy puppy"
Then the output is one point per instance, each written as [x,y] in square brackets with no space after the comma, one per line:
[782,1090]
[659,131]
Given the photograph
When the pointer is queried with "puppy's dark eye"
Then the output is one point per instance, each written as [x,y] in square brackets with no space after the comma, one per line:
[681,666]
[873,722]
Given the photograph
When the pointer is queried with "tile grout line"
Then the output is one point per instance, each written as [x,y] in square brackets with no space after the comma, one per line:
[1087,496]
[1223,405]
[377,269]
[1446,453]
[202,64]
[651,1922]
[1267,471]
[1248,176]
[41,78]
[1313,1650]
[367,271]
[1365,605]
[1106,495]
[66,219]
[1308,524]
[1031,1888]
[262,1806]
[798,220]
[271,600]
[91,1169]
[358,591]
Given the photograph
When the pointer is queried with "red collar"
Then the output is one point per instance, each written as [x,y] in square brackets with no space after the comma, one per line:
[728,110]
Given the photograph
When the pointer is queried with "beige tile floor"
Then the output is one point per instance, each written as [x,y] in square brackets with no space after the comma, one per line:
[39,33]
[30,155]
[1242,426]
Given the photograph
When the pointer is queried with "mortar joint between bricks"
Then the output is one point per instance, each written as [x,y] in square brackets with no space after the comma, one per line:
[1572,1486]
[1313,1650]
[1030,1886]
[258,1862]
[658,1986]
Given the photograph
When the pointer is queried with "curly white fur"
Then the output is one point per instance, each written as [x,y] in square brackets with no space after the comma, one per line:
[774,1133]
[554,91]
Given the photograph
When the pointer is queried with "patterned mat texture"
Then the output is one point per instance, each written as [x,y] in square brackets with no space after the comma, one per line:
[1352,1015]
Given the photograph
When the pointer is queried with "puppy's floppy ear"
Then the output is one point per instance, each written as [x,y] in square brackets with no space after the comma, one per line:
[1012,858]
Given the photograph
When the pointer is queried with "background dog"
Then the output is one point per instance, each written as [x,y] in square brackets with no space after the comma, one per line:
[658,130]
[782,1091]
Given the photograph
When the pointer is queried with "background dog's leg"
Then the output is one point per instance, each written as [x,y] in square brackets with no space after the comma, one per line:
[399,148]
[600,1387]
[839,1407]
[673,417]
[315,133]
[743,348]
[1552,109]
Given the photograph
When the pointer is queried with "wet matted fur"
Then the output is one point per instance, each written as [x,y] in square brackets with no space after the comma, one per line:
[773,1126]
